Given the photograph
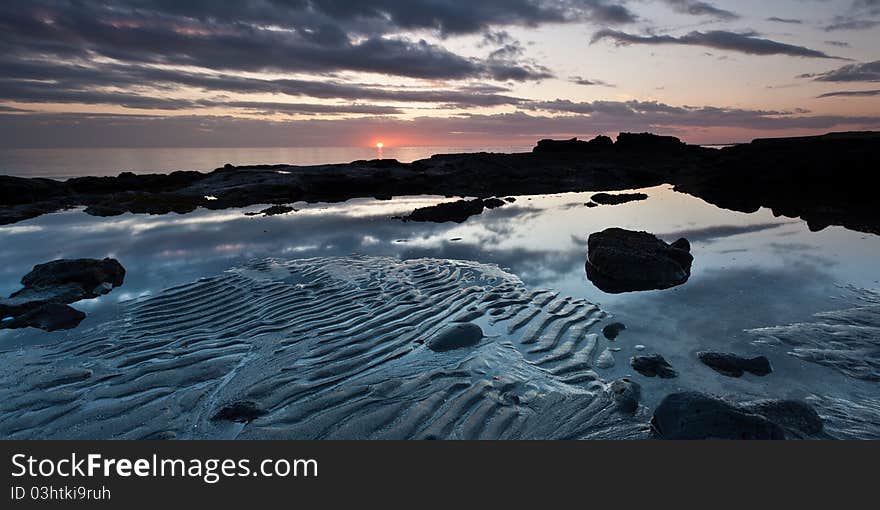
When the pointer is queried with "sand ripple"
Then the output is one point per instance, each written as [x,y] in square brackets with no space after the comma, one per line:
[324,348]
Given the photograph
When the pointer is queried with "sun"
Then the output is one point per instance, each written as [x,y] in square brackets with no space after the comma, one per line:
[379,145]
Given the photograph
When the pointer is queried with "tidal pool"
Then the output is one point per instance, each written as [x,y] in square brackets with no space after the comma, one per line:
[749,271]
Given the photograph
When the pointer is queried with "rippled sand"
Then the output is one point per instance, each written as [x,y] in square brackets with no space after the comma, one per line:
[326,348]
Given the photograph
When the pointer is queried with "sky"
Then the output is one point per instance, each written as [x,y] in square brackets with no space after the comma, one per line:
[299,73]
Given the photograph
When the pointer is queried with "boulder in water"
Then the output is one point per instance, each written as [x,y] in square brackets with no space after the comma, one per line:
[733,365]
[456,336]
[621,260]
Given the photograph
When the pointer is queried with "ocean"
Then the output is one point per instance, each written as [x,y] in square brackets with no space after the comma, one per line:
[64,163]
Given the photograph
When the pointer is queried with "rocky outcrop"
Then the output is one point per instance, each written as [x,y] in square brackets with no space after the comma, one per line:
[732,365]
[621,260]
[617,199]
[574,145]
[457,212]
[789,175]
[653,366]
[50,287]
[692,415]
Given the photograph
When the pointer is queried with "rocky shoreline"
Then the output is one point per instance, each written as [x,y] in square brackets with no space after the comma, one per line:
[826,180]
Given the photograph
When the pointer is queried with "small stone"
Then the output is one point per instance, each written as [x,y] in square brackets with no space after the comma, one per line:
[241,411]
[639,347]
[653,366]
[626,394]
[456,336]
[613,330]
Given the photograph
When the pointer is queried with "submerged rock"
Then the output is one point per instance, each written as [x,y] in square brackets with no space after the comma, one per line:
[456,336]
[733,365]
[617,199]
[241,411]
[48,317]
[653,366]
[612,331]
[621,260]
[605,359]
[693,415]
[626,394]
[49,287]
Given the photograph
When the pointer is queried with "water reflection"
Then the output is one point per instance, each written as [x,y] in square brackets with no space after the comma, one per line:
[747,267]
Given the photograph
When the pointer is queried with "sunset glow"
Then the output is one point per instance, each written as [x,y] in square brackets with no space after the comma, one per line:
[450,73]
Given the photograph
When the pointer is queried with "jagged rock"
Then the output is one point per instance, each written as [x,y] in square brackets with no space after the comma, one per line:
[653,366]
[733,365]
[618,198]
[647,142]
[693,415]
[49,287]
[624,261]
[456,336]
[574,145]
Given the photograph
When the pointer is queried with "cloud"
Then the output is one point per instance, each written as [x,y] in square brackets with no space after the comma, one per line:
[791,21]
[567,119]
[863,72]
[697,8]
[314,36]
[719,39]
[847,23]
[589,82]
[851,93]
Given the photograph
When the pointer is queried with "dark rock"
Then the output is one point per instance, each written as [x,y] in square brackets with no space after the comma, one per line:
[798,418]
[652,366]
[273,210]
[626,394]
[90,274]
[49,287]
[612,331]
[241,411]
[493,203]
[574,145]
[591,204]
[624,261]
[692,415]
[510,200]
[619,198]
[456,336]
[647,142]
[48,317]
[734,366]
[457,212]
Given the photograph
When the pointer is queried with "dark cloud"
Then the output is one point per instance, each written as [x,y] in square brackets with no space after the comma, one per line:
[866,72]
[791,21]
[589,81]
[94,130]
[839,44]
[849,23]
[851,93]
[748,42]
[290,36]
[697,8]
